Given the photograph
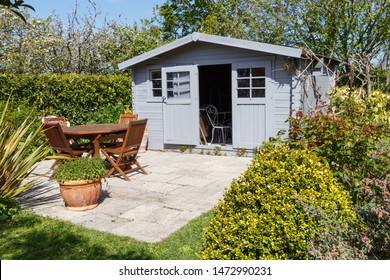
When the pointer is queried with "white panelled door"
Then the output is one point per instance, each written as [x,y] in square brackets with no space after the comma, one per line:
[180,90]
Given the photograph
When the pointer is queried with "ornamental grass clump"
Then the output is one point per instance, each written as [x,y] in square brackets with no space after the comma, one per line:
[17,160]
[264,212]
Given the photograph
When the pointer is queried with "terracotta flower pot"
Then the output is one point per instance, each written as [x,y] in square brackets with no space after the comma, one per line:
[81,195]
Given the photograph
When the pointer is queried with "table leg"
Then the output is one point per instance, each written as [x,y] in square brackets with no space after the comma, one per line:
[96,145]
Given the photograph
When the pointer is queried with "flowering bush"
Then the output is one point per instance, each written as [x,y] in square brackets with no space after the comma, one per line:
[373,208]
[353,135]
[355,145]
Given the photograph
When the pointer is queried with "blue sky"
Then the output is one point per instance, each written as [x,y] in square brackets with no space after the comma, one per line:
[119,10]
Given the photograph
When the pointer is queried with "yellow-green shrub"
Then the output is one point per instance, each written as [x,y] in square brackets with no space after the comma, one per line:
[263,213]
[373,107]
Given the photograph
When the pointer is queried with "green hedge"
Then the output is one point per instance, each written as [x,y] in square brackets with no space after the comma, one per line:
[80,98]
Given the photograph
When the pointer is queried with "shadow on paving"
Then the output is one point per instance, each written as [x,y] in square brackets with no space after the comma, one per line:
[39,194]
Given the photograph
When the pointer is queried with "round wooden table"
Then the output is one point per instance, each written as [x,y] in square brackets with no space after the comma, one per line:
[95,132]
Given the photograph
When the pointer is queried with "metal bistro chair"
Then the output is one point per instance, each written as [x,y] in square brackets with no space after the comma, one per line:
[124,154]
[218,128]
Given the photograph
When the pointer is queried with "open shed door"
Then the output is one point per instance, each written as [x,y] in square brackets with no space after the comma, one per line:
[181,105]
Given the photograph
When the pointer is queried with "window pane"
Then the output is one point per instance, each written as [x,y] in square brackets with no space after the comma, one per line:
[184,95]
[156,83]
[243,93]
[243,83]
[184,86]
[258,92]
[258,82]
[156,75]
[157,93]
[258,72]
[170,75]
[244,72]
[169,85]
[184,76]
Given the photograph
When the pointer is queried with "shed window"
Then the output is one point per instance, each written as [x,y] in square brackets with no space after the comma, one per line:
[251,82]
[178,84]
[155,77]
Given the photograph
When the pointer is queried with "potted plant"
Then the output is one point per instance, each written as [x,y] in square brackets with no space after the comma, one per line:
[80,182]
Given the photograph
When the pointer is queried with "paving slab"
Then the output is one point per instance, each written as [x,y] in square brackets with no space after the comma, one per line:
[179,187]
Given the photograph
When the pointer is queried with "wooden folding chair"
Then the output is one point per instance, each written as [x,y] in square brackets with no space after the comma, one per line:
[62,120]
[123,156]
[123,119]
[60,145]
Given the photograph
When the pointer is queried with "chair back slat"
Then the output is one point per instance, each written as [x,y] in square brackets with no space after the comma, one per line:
[134,134]
[126,118]
[51,120]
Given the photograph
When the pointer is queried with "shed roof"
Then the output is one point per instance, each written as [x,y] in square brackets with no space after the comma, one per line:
[213,39]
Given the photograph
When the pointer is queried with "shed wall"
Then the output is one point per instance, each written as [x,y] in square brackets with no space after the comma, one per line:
[285,89]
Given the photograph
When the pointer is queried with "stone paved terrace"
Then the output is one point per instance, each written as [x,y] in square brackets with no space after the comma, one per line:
[179,188]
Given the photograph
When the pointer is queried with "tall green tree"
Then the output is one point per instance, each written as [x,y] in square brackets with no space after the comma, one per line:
[182,17]
[354,31]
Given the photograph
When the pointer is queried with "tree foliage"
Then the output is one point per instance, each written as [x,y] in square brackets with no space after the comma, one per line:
[354,32]
[52,46]
[182,17]
[14,6]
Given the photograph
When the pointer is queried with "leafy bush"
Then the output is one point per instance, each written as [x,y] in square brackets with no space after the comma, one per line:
[373,108]
[80,98]
[348,141]
[17,111]
[83,168]
[17,160]
[354,137]
[336,240]
[373,208]
[8,208]
[264,212]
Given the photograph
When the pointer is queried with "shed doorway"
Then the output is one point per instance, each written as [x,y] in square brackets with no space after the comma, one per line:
[215,89]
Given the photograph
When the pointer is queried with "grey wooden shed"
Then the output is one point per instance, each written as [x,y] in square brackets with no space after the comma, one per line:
[251,81]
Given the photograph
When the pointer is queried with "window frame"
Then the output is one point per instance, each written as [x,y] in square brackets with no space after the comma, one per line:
[269,87]
[250,79]
[151,88]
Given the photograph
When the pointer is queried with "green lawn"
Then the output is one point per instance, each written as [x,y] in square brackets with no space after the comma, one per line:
[34,237]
